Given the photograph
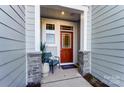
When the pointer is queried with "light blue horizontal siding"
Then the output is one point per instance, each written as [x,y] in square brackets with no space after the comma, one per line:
[108,44]
[12,46]
[30,28]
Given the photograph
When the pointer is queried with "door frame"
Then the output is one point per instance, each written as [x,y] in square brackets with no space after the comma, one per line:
[71,33]
[72,46]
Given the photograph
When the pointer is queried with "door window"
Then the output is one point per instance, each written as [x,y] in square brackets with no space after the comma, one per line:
[66,40]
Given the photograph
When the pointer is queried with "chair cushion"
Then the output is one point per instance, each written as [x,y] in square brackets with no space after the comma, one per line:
[55,62]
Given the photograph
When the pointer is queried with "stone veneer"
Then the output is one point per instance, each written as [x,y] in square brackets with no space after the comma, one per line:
[84,62]
[34,67]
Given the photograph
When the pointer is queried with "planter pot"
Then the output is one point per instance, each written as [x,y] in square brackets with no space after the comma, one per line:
[45,69]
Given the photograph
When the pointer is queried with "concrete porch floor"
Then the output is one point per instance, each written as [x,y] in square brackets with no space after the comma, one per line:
[65,78]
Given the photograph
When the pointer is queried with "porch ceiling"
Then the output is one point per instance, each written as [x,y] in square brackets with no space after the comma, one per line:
[53,11]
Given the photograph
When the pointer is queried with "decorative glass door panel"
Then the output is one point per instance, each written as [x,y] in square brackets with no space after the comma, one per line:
[66,40]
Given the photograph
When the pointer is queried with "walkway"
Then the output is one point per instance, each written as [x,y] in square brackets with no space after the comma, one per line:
[65,78]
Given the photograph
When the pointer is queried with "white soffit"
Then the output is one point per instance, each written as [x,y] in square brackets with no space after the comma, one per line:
[77,7]
[54,11]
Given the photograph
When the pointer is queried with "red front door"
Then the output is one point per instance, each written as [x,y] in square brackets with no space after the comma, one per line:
[66,47]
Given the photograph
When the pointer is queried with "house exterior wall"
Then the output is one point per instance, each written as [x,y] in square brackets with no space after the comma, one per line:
[89,29]
[108,44]
[56,47]
[89,26]
[12,46]
[30,28]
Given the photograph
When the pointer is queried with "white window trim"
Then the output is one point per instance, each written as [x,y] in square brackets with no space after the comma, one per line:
[50,31]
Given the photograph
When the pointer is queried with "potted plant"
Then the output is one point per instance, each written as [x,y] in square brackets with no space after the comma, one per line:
[45,66]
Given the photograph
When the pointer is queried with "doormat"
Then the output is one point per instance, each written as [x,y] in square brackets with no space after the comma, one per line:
[68,66]
[94,81]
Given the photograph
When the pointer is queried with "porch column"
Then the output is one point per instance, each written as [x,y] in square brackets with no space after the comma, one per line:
[83,31]
[84,55]
[37,27]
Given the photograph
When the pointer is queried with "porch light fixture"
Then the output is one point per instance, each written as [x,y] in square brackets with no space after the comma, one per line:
[62,12]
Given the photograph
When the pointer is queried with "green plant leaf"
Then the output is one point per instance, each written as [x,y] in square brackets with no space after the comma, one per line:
[43,50]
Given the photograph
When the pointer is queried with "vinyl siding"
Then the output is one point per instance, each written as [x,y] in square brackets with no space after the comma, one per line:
[12,46]
[30,28]
[89,29]
[108,44]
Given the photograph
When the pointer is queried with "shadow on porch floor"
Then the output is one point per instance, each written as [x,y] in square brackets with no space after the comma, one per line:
[65,78]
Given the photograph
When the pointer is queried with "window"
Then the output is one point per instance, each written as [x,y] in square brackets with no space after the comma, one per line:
[50,38]
[63,27]
[66,40]
[50,26]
